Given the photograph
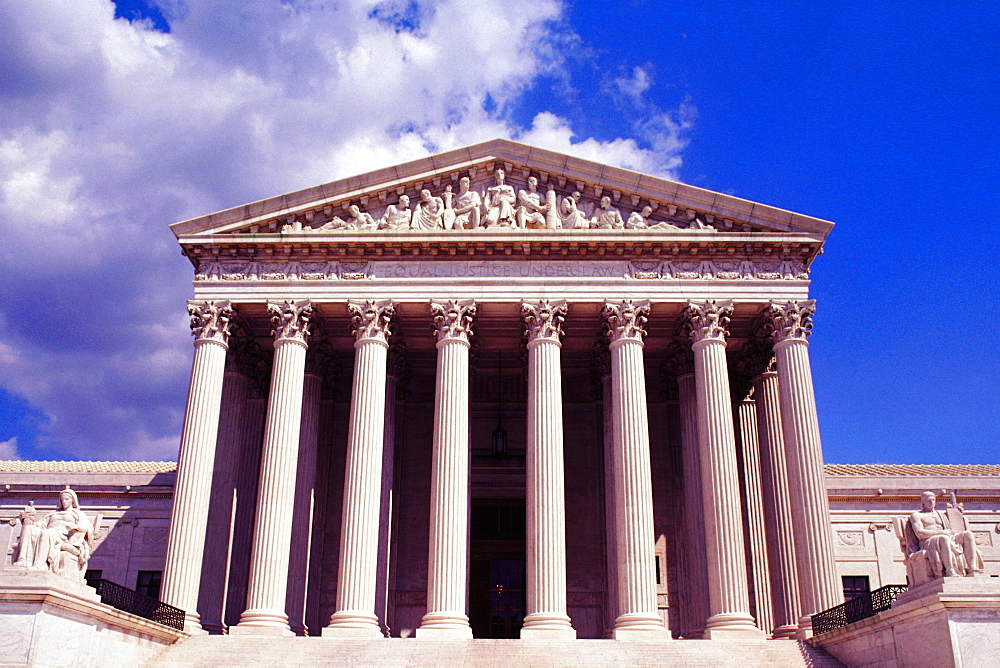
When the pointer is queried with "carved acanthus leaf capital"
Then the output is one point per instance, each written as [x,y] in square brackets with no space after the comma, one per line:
[755,357]
[543,320]
[625,320]
[291,320]
[791,321]
[372,319]
[453,319]
[708,321]
[678,360]
[211,320]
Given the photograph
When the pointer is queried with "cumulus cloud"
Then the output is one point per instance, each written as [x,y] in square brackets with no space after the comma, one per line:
[8,450]
[110,130]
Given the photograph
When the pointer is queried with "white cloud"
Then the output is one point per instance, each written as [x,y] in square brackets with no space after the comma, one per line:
[110,130]
[8,450]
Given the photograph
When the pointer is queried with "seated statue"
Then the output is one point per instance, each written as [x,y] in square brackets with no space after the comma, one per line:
[397,216]
[938,544]
[531,212]
[607,217]
[429,212]
[499,203]
[61,542]
[467,206]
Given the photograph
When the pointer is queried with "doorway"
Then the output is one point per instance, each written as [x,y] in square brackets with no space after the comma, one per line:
[497,575]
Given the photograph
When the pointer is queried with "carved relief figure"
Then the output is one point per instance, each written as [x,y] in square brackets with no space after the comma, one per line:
[397,216]
[61,542]
[938,544]
[467,206]
[573,217]
[531,212]
[607,217]
[359,220]
[429,212]
[637,221]
[499,203]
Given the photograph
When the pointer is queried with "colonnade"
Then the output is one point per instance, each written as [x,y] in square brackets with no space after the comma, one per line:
[793,513]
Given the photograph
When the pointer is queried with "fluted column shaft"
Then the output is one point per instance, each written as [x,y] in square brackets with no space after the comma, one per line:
[355,615]
[755,543]
[694,511]
[545,492]
[387,506]
[189,516]
[729,601]
[638,617]
[819,587]
[305,485]
[447,559]
[268,584]
[777,507]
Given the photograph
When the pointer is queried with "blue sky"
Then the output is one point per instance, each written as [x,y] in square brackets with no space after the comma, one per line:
[116,121]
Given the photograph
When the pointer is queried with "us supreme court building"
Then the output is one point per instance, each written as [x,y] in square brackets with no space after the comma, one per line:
[503,392]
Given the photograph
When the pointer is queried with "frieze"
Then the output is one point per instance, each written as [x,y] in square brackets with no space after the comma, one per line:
[673,270]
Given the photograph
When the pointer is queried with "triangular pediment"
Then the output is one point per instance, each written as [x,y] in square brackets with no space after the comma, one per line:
[570,193]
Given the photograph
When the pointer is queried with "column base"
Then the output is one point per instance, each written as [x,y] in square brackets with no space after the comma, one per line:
[444,626]
[547,626]
[192,624]
[352,624]
[732,626]
[785,632]
[262,623]
[637,626]
[805,628]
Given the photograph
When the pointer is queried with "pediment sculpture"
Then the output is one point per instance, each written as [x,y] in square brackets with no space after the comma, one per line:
[937,543]
[502,206]
[61,542]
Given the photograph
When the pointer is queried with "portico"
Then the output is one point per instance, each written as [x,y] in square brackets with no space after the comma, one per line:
[560,396]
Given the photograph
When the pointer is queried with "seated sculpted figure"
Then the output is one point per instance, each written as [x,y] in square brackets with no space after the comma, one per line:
[467,206]
[607,217]
[499,203]
[573,218]
[532,212]
[938,543]
[429,212]
[60,542]
[397,216]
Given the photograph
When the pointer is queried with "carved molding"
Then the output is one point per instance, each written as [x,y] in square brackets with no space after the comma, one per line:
[754,358]
[211,320]
[625,320]
[544,319]
[453,319]
[791,321]
[708,321]
[372,319]
[291,320]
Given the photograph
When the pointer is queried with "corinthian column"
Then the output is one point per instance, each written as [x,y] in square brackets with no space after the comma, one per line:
[447,562]
[777,505]
[729,601]
[268,584]
[210,324]
[355,615]
[638,618]
[545,492]
[818,585]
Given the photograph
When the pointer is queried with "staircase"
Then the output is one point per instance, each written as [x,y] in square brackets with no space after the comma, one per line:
[388,652]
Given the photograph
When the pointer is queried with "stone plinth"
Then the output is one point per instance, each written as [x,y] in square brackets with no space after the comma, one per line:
[946,622]
[47,620]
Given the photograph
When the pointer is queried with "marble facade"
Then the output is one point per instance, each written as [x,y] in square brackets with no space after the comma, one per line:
[570,396]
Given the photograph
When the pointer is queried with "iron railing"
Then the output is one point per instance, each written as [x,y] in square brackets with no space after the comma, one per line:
[862,607]
[131,601]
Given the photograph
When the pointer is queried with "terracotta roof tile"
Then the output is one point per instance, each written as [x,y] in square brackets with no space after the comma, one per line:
[87,467]
[896,470]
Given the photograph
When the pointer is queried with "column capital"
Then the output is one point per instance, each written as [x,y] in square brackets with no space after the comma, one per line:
[709,320]
[371,319]
[678,360]
[543,320]
[453,319]
[211,321]
[625,320]
[790,321]
[291,320]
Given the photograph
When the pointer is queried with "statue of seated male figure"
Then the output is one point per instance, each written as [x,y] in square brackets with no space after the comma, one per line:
[938,543]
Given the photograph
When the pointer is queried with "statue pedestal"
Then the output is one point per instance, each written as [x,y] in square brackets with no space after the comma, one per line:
[49,620]
[945,622]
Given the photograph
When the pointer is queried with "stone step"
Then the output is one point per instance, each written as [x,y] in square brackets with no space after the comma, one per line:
[391,652]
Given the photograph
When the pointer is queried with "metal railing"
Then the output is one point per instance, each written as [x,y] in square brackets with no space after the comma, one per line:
[862,607]
[131,601]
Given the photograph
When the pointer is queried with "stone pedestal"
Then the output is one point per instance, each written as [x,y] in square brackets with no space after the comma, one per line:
[447,575]
[355,615]
[48,620]
[944,623]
